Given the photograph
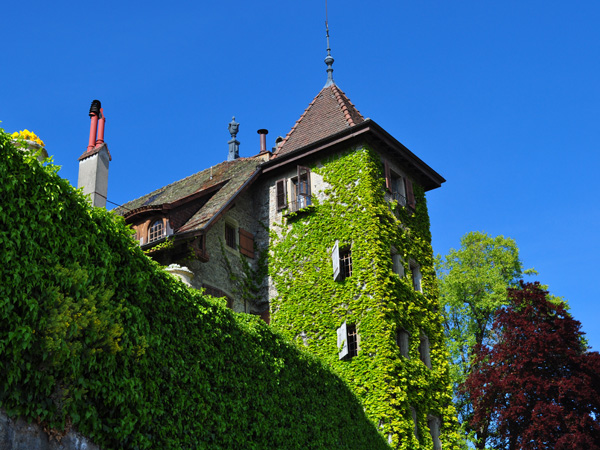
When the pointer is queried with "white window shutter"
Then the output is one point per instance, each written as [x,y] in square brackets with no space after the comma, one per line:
[335,260]
[342,340]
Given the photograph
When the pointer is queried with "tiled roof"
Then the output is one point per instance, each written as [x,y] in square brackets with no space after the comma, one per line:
[226,178]
[330,112]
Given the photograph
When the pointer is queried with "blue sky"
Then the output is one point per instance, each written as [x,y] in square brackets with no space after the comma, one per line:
[501,98]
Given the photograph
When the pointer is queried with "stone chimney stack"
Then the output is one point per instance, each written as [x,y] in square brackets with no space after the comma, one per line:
[93,164]
[234,145]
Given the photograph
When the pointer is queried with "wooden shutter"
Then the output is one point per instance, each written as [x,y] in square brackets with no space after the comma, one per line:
[342,341]
[335,260]
[410,196]
[388,176]
[246,243]
[281,194]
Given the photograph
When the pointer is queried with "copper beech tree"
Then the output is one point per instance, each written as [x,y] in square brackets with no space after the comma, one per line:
[537,386]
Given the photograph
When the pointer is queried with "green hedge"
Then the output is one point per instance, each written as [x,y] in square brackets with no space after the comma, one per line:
[94,332]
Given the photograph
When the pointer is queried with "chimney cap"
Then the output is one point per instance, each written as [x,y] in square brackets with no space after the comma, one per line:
[95,108]
[262,131]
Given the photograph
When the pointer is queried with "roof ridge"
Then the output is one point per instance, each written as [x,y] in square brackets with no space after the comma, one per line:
[344,101]
[321,119]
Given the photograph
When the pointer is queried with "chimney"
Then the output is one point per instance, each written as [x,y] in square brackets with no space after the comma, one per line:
[263,140]
[93,164]
[234,145]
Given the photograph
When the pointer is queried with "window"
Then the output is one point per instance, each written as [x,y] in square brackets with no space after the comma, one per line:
[281,194]
[341,260]
[434,423]
[424,351]
[301,186]
[230,240]
[347,341]
[156,231]
[415,271]
[403,341]
[413,413]
[397,263]
[400,187]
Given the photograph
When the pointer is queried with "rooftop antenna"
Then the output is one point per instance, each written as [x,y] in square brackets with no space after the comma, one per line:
[329,58]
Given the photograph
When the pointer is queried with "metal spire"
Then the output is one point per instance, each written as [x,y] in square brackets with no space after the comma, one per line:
[329,58]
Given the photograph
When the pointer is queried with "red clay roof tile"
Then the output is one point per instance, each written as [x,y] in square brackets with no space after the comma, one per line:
[330,112]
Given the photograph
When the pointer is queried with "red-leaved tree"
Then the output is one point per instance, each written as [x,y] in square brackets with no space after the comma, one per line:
[537,387]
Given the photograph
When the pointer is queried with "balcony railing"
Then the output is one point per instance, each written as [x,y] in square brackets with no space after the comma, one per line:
[400,198]
[300,203]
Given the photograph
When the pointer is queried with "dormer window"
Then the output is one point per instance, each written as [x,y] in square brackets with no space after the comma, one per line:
[156,231]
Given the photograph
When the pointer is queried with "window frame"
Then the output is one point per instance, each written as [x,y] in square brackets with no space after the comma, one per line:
[156,235]
[229,235]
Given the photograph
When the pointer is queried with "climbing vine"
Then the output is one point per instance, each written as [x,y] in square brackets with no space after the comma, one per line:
[310,305]
[249,280]
[95,334]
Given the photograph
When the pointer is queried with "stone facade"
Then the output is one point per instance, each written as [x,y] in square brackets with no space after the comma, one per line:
[17,434]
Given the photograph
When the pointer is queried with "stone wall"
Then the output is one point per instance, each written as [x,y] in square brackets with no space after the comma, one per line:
[215,271]
[17,434]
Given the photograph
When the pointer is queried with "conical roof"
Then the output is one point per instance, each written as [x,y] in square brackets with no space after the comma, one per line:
[330,112]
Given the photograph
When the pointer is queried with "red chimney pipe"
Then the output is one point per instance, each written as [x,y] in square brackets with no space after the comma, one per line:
[95,114]
[101,122]
[263,139]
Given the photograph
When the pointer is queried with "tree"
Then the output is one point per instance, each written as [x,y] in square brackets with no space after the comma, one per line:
[538,383]
[473,282]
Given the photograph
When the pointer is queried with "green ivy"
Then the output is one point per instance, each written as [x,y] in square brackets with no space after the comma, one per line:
[310,305]
[94,332]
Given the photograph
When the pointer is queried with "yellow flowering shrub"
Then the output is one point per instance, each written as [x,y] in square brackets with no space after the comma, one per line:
[29,136]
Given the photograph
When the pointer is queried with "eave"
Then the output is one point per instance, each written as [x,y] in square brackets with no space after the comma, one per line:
[367,132]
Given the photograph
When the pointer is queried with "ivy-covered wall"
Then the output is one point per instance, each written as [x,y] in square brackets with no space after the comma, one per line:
[309,305]
[96,336]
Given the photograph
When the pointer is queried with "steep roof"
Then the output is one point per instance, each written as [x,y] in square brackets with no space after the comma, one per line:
[217,186]
[330,112]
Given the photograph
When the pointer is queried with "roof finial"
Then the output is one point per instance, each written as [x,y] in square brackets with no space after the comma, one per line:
[329,58]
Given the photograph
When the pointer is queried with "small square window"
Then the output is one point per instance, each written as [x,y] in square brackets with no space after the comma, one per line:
[345,263]
[397,264]
[424,351]
[352,341]
[434,423]
[415,271]
[347,341]
[230,240]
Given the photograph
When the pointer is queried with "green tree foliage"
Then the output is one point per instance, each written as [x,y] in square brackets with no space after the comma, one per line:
[473,283]
[94,332]
[538,383]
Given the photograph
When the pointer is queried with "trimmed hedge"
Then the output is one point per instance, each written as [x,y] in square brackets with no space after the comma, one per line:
[95,333]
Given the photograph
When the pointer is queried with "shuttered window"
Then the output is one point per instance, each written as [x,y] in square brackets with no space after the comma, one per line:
[410,196]
[388,176]
[246,243]
[341,260]
[281,194]
[347,341]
